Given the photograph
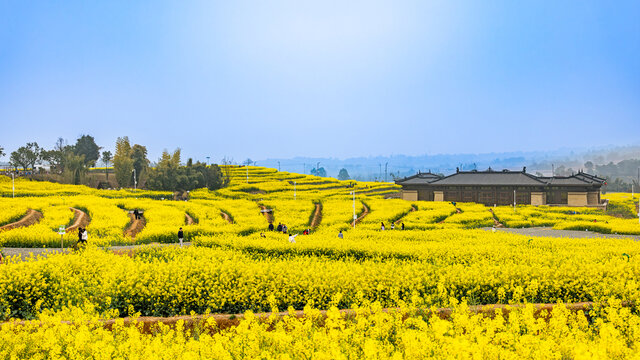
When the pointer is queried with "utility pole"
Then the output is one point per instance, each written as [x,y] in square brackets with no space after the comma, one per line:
[385,171]
[514,200]
[208,157]
[247,174]
[553,172]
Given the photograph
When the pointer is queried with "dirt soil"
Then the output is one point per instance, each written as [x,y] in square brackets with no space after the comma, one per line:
[81,219]
[225,321]
[267,215]
[226,217]
[317,216]
[29,219]
[413,208]
[188,219]
[135,226]
[496,223]
[364,213]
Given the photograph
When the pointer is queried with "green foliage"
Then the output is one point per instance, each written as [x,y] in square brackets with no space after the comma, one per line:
[86,145]
[122,162]
[170,176]
[319,172]
[343,174]
[106,159]
[26,156]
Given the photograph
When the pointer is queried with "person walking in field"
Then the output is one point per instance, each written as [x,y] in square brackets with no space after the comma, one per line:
[382,227]
[284,229]
[180,236]
[292,238]
[402,228]
[270,226]
[136,214]
[393,226]
[279,228]
[340,235]
[80,235]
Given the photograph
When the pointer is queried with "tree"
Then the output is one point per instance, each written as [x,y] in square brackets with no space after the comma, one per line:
[2,151]
[248,162]
[75,168]
[86,145]
[106,159]
[26,156]
[343,174]
[140,161]
[589,166]
[122,162]
[58,155]
[226,169]
[168,175]
[319,172]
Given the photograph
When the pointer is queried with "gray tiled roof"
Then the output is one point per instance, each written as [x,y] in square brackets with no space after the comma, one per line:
[420,178]
[480,178]
[501,178]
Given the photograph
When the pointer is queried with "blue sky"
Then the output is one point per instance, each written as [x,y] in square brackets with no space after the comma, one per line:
[264,79]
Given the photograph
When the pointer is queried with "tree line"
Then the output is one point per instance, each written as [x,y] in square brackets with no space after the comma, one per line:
[131,167]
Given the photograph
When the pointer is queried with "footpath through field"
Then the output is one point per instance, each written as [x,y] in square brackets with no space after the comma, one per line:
[550,232]
[24,253]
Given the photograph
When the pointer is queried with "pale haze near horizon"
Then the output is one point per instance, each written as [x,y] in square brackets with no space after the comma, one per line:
[321,79]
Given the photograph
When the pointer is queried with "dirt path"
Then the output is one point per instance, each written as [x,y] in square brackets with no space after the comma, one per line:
[226,321]
[268,215]
[81,219]
[136,225]
[413,208]
[364,213]
[496,223]
[226,217]
[317,216]
[188,219]
[550,232]
[31,217]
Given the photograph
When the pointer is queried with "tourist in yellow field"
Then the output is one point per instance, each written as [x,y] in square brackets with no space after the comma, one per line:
[393,226]
[402,228]
[180,236]
[279,228]
[292,238]
[382,227]
[340,235]
[270,226]
[85,237]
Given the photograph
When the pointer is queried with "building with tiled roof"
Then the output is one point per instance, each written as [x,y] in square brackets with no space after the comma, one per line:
[492,187]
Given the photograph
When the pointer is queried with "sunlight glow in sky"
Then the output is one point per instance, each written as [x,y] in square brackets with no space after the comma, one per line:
[264,79]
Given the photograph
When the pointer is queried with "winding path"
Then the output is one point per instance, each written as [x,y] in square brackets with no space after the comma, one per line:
[317,216]
[413,208]
[188,219]
[364,213]
[226,216]
[81,219]
[30,218]
[267,214]
[136,225]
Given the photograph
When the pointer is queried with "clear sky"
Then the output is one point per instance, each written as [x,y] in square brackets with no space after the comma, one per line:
[266,79]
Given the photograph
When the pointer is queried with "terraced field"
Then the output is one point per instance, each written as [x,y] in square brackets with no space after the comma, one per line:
[407,291]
